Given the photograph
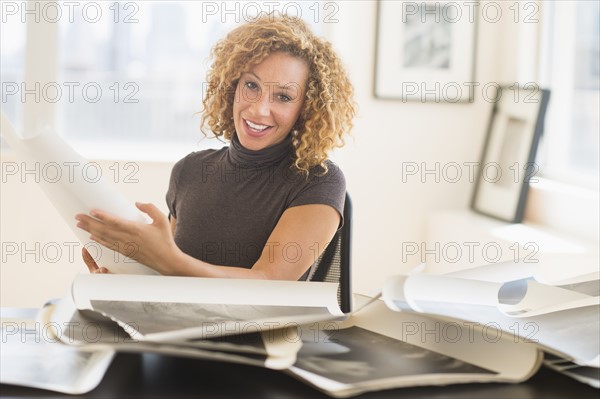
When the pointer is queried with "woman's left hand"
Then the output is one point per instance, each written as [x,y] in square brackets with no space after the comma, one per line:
[150,244]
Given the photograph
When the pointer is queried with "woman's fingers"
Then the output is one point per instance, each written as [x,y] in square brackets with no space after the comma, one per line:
[110,219]
[106,234]
[89,224]
[152,210]
[91,263]
[146,243]
[110,244]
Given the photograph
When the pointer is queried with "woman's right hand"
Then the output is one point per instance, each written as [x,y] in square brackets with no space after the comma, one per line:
[91,263]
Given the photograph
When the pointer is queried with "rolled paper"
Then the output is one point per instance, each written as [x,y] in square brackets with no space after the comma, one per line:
[76,186]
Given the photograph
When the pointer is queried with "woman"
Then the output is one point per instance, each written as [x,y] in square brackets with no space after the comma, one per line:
[267,205]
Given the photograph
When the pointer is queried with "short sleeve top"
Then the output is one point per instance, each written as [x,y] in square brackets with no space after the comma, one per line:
[228,201]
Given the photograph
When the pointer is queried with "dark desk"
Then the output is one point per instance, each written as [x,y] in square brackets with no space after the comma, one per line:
[155,376]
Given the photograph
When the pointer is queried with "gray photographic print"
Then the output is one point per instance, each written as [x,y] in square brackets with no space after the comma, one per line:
[355,355]
[33,355]
[427,42]
[29,357]
[157,317]
[92,327]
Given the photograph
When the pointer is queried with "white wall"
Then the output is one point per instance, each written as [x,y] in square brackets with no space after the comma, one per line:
[387,212]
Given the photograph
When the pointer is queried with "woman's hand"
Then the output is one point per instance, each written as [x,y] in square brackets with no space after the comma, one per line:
[91,263]
[150,244]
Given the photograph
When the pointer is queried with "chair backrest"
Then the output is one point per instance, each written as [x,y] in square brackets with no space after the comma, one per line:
[334,264]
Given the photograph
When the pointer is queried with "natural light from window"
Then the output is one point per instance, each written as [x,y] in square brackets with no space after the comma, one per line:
[131,75]
[570,67]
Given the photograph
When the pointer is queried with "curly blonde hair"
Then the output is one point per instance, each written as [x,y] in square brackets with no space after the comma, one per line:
[328,107]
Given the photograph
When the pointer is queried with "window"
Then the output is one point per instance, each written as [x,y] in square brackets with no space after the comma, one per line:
[571,68]
[139,73]
[130,74]
[12,43]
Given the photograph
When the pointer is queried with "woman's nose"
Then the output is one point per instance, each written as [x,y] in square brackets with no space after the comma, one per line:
[261,105]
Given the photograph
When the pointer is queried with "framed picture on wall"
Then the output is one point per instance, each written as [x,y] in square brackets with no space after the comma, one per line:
[425,51]
[507,163]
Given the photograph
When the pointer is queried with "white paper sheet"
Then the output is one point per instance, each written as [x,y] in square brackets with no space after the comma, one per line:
[520,298]
[560,319]
[160,308]
[73,191]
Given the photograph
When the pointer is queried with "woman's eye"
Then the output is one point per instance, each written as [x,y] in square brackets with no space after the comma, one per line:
[284,98]
[251,85]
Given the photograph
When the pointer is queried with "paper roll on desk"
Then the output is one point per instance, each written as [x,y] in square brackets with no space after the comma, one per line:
[72,192]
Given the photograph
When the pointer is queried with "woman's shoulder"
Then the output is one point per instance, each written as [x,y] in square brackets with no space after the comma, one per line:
[200,156]
[324,185]
[329,172]
[327,178]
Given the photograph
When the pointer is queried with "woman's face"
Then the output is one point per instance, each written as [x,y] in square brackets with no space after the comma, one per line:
[269,99]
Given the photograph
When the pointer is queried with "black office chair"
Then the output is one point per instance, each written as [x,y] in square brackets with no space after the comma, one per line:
[334,264]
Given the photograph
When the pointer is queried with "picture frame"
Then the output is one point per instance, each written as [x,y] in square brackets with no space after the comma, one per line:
[507,164]
[425,51]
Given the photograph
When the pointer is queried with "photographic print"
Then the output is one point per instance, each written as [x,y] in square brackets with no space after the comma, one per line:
[424,46]
[30,358]
[159,317]
[355,355]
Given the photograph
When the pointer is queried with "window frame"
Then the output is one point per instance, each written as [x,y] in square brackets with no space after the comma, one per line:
[561,201]
[552,146]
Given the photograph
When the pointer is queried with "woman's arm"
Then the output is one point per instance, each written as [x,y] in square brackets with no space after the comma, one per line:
[299,237]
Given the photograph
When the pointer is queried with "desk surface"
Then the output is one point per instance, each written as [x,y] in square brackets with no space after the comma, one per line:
[157,376]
